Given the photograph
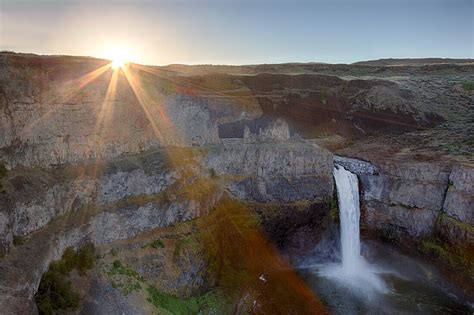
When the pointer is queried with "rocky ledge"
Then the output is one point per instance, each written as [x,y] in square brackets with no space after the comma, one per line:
[410,200]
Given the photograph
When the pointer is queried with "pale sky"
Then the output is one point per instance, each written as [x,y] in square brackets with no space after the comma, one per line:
[240,32]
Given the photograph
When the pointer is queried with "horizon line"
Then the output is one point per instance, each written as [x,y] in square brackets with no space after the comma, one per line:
[467,60]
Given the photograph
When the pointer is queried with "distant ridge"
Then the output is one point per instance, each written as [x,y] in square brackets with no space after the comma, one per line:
[381,67]
[411,61]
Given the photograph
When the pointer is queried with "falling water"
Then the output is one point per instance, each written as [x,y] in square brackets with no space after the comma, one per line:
[349,214]
[352,285]
[353,271]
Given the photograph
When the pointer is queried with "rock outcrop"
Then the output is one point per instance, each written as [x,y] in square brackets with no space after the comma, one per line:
[35,197]
[416,199]
[275,171]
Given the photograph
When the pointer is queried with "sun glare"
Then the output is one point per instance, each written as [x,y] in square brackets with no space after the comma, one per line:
[120,56]
[118,63]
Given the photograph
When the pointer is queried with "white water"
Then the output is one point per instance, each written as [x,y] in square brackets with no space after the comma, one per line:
[353,271]
[354,286]
[349,214]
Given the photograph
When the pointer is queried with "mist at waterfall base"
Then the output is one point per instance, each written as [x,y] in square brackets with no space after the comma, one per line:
[370,277]
[353,271]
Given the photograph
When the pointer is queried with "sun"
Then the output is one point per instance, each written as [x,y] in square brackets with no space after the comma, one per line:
[119,62]
[120,59]
[119,55]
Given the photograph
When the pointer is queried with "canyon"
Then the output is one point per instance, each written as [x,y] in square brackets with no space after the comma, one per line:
[230,168]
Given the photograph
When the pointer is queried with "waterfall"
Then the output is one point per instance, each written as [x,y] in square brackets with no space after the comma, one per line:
[349,214]
[353,271]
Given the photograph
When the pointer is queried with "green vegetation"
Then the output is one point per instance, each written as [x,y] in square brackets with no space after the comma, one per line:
[436,249]
[209,303]
[128,280]
[125,278]
[18,239]
[189,242]
[157,244]
[3,170]
[468,86]
[212,173]
[3,174]
[450,253]
[54,292]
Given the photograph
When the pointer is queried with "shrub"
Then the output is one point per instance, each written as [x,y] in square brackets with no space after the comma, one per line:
[212,173]
[468,86]
[18,239]
[3,173]
[86,258]
[157,244]
[3,170]
[55,292]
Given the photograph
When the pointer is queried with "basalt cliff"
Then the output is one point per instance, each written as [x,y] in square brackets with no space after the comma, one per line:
[178,175]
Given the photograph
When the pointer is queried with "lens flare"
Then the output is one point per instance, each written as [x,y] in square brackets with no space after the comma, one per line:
[119,55]
[118,63]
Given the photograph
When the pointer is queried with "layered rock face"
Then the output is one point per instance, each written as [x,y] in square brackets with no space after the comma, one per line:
[274,172]
[416,199]
[35,197]
[62,110]
[59,110]
[129,196]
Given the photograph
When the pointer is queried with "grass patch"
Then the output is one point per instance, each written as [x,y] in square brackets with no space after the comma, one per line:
[468,86]
[124,278]
[435,249]
[185,242]
[128,280]
[156,244]
[55,294]
[209,303]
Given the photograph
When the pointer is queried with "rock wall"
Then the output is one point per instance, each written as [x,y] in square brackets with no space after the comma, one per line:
[275,171]
[118,199]
[21,270]
[35,197]
[416,199]
[59,110]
